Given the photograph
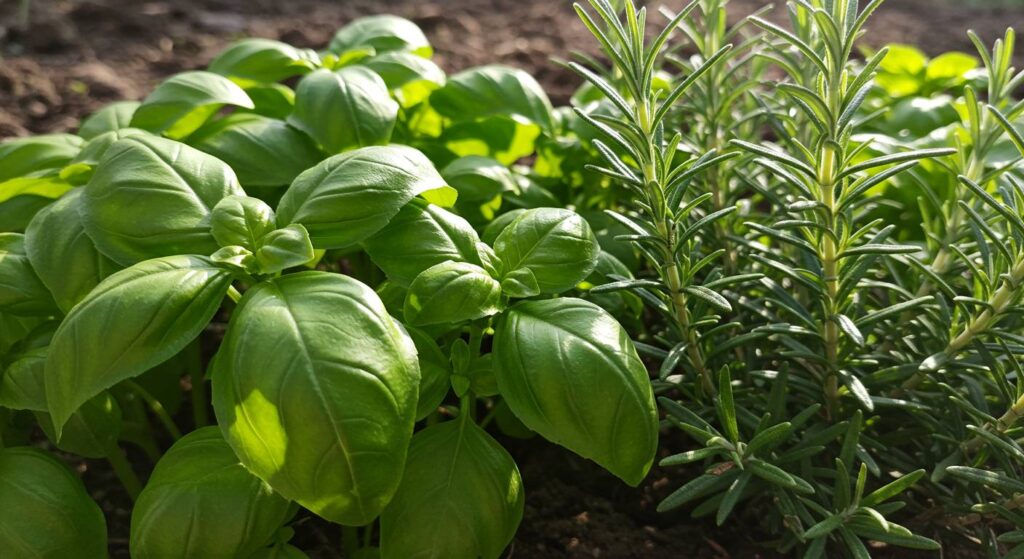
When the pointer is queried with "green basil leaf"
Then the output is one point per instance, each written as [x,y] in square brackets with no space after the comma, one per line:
[21,385]
[92,431]
[115,116]
[421,235]
[344,110]
[478,179]
[133,321]
[241,221]
[557,245]
[411,78]
[263,60]
[45,511]
[461,497]
[201,502]
[348,197]
[182,103]
[79,170]
[63,256]
[520,283]
[494,228]
[570,372]
[315,389]
[23,156]
[452,292]
[284,248]
[22,293]
[280,551]
[494,90]
[236,257]
[167,188]
[381,33]
[49,186]
[434,373]
[272,100]
[16,213]
[262,151]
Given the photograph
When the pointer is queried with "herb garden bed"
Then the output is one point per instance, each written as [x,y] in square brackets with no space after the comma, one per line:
[819,279]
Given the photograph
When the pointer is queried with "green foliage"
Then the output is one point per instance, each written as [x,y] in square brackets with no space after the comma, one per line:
[814,263]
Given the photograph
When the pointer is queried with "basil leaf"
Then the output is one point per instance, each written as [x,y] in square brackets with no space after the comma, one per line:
[452,292]
[167,188]
[79,170]
[92,431]
[494,90]
[343,110]
[262,151]
[263,60]
[22,156]
[22,293]
[21,385]
[133,321]
[63,256]
[570,372]
[182,103]
[315,389]
[461,497]
[410,78]
[381,33]
[45,510]
[478,179]
[241,221]
[421,235]
[272,100]
[115,116]
[557,245]
[284,248]
[348,197]
[201,502]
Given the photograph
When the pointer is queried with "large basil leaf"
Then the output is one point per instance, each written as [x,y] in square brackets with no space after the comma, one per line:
[494,90]
[557,245]
[348,197]
[262,151]
[461,497]
[420,236]
[16,213]
[21,291]
[263,60]
[182,103]
[452,292]
[344,110]
[115,116]
[315,389]
[570,372]
[381,33]
[22,156]
[479,179]
[152,197]
[133,321]
[201,502]
[79,170]
[63,256]
[45,511]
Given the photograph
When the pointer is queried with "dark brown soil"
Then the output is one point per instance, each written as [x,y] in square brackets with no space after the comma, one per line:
[79,55]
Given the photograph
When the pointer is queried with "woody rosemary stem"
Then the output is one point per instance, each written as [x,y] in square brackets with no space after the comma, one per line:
[670,269]
[829,255]
[1003,424]
[1001,300]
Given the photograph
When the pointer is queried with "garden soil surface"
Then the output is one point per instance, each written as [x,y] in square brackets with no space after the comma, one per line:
[79,55]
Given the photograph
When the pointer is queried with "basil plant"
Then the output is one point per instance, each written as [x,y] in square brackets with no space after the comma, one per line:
[223,228]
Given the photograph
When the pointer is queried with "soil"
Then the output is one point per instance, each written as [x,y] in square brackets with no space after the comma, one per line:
[79,55]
